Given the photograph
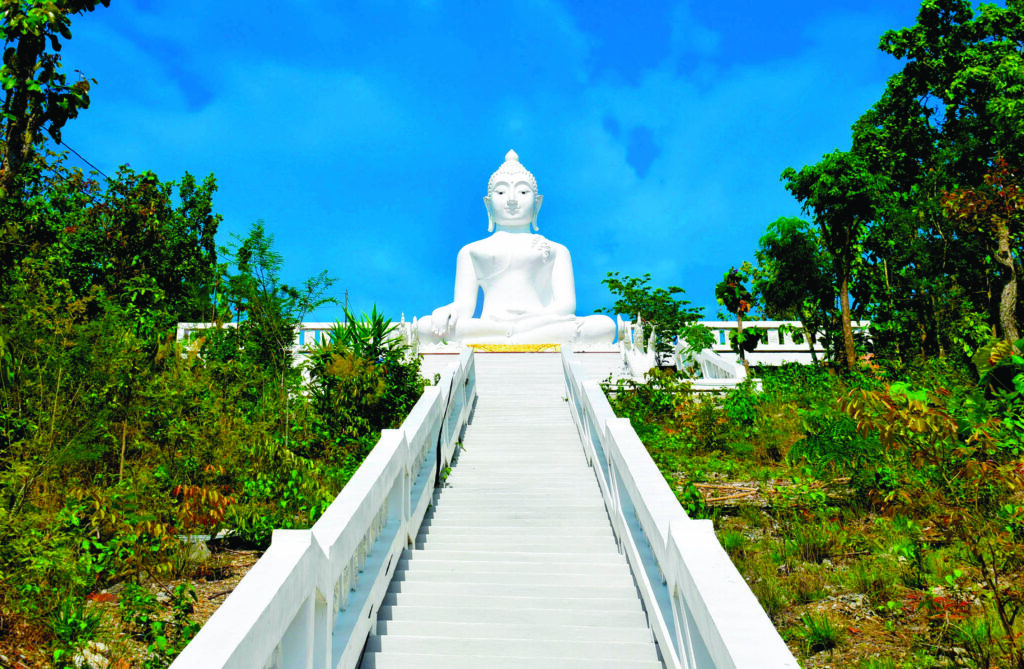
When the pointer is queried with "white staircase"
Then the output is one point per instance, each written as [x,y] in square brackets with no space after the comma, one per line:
[516,564]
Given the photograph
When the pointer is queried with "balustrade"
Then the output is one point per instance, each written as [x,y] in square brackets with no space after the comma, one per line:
[700,609]
[310,600]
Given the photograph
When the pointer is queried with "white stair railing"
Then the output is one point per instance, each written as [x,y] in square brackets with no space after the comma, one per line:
[700,609]
[309,602]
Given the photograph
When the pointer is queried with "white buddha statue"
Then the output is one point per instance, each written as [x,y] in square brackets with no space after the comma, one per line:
[527,280]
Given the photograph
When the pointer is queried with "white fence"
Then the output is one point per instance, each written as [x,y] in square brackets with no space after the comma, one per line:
[700,609]
[779,348]
[312,598]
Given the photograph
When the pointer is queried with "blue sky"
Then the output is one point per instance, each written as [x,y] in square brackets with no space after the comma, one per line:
[363,132]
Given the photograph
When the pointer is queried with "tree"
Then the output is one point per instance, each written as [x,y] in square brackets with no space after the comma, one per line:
[37,94]
[793,277]
[734,296]
[995,212]
[842,193]
[267,310]
[150,248]
[939,126]
[666,315]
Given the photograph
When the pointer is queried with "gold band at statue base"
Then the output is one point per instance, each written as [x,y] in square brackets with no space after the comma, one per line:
[515,348]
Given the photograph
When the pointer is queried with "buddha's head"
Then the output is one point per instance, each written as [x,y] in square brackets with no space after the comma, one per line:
[512,199]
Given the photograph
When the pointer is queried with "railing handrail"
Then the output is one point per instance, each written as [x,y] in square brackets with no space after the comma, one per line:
[700,609]
[302,604]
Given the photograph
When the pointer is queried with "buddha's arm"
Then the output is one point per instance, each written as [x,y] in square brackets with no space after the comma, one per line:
[563,285]
[443,319]
[466,284]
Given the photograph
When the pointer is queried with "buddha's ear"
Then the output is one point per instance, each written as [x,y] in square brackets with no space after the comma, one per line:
[537,202]
[490,218]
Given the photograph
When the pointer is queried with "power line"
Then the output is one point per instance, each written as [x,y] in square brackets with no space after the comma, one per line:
[83,159]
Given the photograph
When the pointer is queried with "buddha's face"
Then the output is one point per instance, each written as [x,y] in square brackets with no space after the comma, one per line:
[513,203]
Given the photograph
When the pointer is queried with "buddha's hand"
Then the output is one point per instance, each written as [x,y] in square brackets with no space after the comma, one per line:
[443,320]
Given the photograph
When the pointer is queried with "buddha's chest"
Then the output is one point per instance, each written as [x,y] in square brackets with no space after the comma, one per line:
[532,254]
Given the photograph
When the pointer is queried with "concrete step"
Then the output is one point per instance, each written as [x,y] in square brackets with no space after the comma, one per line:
[526,467]
[514,616]
[496,482]
[520,502]
[614,603]
[423,564]
[587,545]
[571,457]
[525,631]
[554,593]
[511,524]
[535,438]
[440,555]
[526,499]
[484,649]
[458,661]
[520,531]
[621,579]
[498,516]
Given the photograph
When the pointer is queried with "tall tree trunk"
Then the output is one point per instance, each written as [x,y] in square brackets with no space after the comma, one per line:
[739,338]
[1008,298]
[810,336]
[23,126]
[844,305]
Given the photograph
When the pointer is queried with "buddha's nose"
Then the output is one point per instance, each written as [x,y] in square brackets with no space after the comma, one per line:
[512,204]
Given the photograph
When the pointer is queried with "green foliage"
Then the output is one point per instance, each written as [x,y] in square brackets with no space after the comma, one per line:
[954,452]
[144,617]
[37,95]
[819,632]
[928,457]
[115,440]
[667,316]
[833,446]
[741,405]
[732,294]
[1001,369]
[363,378]
[693,501]
[793,278]
[920,220]
[150,437]
[266,310]
[843,194]
[73,628]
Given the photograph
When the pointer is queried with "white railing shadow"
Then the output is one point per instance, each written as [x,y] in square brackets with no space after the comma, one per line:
[312,598]
[700,609]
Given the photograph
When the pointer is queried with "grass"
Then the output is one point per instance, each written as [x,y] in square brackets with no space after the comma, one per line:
[819,632]
[845,546]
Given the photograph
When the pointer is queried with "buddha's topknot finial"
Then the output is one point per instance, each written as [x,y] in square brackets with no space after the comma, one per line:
[511,169]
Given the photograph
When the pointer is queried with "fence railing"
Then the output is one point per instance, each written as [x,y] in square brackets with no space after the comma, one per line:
[700,609]
[309,602]
[779,347]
